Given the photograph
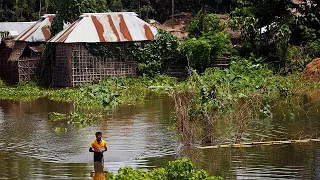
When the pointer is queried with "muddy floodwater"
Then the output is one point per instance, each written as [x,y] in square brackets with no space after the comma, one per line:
[140,136]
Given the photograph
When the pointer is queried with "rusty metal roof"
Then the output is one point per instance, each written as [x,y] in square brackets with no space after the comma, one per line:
[15,28]
[107,27]
[39,32]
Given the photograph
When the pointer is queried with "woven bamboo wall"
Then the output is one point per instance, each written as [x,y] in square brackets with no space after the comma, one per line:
[87,68]
[27,68]
[75,65]
[60,69]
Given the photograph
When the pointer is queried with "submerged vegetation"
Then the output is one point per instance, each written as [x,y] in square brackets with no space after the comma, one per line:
[108,93]
[22,92]
[76,119]
[222,102]
[182,169]
[231,98]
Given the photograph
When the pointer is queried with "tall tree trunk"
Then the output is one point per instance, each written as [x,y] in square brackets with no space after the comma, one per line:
[172,6]
[40,8]
[204,13]
[47,4]
[139,6]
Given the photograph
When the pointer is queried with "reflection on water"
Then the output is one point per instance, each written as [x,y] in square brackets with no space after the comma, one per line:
[298,161]
[138,136]
[133,134]
[297,118]
[99,173]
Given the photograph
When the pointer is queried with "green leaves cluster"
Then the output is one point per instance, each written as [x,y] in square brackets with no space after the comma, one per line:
[182,169]
[199,51]
[203,51]
[217,91]
[282,45]
[108,93]
[231,98]
[270,29]
[155,57]
[76,119]
[207,42]
[4,34]
[70,10]
[22,92]
[91,96]
[210,21]
[108,50]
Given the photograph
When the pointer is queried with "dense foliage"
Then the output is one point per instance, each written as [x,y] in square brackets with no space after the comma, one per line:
[108,93]
[76,119]
[28,10]
[182,169]
[274,29]
[156,57]
[232,98]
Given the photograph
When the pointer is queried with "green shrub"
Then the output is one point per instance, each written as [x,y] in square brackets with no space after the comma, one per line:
[2,84]
[202,52]
[313,48]
[212,23]
[175,170]
[23,92]
[155,57]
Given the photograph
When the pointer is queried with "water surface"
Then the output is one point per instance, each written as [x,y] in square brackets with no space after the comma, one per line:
[138,136]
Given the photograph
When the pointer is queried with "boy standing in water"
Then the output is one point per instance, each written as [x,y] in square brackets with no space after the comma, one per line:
[98,146]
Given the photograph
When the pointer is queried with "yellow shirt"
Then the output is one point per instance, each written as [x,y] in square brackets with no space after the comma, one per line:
[97,146]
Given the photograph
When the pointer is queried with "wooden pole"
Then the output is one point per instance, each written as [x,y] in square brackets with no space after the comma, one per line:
[265,143]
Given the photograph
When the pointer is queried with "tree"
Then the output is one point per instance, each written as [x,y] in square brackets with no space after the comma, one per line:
[24,10]
[6,10]
[115,5]
[306,27]
[205,45]
[70,10]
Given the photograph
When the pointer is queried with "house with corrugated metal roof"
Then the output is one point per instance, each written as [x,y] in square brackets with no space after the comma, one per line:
[8,31]
[14,28]
[26,53]
[77,47]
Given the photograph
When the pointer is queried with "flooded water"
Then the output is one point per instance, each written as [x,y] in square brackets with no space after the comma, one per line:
[139,136]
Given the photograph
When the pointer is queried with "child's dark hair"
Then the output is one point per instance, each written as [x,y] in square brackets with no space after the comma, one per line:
[98,133]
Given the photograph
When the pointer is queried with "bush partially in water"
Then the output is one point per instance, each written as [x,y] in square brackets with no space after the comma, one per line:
[91,96]
[182,169]
[217,97]
[76,119]
[108,93]
[23,92]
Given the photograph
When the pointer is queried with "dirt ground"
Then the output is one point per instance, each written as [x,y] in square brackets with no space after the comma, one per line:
[178,26]
[312,71]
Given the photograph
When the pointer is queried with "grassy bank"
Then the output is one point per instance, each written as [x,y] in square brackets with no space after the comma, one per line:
[108,93]
[216,100]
